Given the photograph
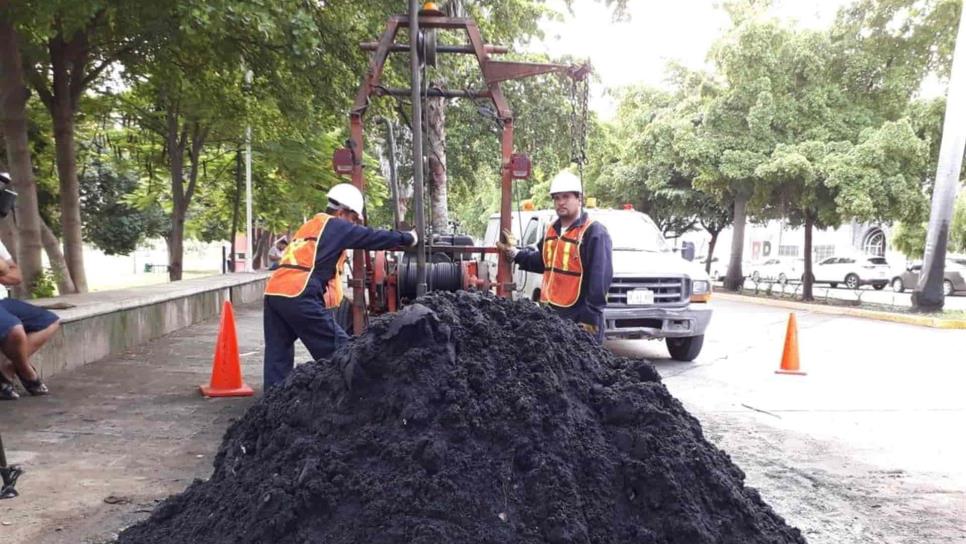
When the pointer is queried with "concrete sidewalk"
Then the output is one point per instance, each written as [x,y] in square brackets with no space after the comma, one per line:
[117,435]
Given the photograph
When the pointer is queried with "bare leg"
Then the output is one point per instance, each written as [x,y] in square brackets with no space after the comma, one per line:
[19,346]
[16,348]
[38,338]
[7,370]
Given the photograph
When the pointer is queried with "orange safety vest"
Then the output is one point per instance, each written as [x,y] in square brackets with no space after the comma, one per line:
[297,263]
[563,271]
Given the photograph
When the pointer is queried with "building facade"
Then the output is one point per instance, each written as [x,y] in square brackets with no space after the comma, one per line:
[774,239]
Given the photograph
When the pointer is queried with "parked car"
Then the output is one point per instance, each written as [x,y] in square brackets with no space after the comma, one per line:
[779,269]
[717,268]
[655,294]
[853,271]
[954,277]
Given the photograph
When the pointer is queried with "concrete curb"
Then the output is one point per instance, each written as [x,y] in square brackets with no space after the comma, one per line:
[921,321]
[105,323]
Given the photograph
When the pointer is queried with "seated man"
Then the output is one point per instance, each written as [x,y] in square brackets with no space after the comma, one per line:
[23,329]
[275,254]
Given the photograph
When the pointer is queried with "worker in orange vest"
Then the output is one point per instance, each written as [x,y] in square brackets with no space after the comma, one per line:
[308,285]
[574,257]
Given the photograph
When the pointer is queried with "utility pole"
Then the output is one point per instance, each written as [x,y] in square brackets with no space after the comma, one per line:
[928,295]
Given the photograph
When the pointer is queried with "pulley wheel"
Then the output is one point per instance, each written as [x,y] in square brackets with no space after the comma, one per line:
[427,47]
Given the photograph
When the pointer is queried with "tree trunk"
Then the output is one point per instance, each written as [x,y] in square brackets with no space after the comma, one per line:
[181,194]
[436,147]
[233,235]
[57,262]
[404,200]
[266,246]
[176,139]
[711,244]
[260,249]
[13,121]
[62,112]
[175,242]
[256,248]
[807,277]
[735,278]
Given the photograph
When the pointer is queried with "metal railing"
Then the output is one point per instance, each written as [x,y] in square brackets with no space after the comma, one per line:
[825,294]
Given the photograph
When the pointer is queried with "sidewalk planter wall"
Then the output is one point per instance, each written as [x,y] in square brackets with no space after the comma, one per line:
[97,325]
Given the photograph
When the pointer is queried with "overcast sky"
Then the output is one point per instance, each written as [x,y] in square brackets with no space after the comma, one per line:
[636,51]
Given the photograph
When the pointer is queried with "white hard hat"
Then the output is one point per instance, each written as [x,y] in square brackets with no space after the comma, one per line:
[346,195]
[565,182]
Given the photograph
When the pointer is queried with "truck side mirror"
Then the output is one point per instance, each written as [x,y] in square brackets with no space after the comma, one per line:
[687,251]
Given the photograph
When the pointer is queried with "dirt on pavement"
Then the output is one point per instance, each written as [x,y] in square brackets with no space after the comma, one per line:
[467,418]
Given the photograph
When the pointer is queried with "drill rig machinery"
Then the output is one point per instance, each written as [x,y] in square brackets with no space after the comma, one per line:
[380,281]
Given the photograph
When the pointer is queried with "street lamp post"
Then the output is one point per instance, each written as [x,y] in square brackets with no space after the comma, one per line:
[250,259]
[928,295]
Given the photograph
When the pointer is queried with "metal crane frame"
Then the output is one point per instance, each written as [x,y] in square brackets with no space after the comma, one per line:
[494,72]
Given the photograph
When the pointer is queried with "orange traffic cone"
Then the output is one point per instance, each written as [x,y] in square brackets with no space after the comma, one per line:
[790,354]
[226,376]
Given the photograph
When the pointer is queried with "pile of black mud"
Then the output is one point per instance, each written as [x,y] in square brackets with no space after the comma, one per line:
[463,419]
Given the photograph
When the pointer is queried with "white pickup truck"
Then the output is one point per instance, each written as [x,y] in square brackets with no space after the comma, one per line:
[655,292]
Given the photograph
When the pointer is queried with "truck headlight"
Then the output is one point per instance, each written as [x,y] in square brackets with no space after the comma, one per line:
[700,291]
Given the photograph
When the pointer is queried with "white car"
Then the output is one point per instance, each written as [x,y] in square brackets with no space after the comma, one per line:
[779,269]
[853,271]
[717,268]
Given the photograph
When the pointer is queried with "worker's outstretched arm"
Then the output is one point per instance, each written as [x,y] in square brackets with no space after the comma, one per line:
[359,237]
[530,259]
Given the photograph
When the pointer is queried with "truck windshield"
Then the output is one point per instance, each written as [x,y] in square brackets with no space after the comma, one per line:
[632,232]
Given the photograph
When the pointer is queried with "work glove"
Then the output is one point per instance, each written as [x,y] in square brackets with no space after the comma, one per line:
[508,244]
[415,238]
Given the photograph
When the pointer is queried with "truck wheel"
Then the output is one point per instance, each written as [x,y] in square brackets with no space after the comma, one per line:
[782,278]
[685,349]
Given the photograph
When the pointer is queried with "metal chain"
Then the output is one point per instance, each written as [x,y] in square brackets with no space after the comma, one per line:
[579,99]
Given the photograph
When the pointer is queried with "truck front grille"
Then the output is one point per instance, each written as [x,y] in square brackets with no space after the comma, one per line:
[667,291]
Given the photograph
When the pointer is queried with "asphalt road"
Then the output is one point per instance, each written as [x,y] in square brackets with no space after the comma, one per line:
[868,447]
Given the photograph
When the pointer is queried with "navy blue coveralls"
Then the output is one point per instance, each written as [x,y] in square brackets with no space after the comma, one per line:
[305,317]
[595,256]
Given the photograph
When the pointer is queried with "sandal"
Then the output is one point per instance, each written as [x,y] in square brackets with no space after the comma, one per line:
[7,392]
[35,387]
